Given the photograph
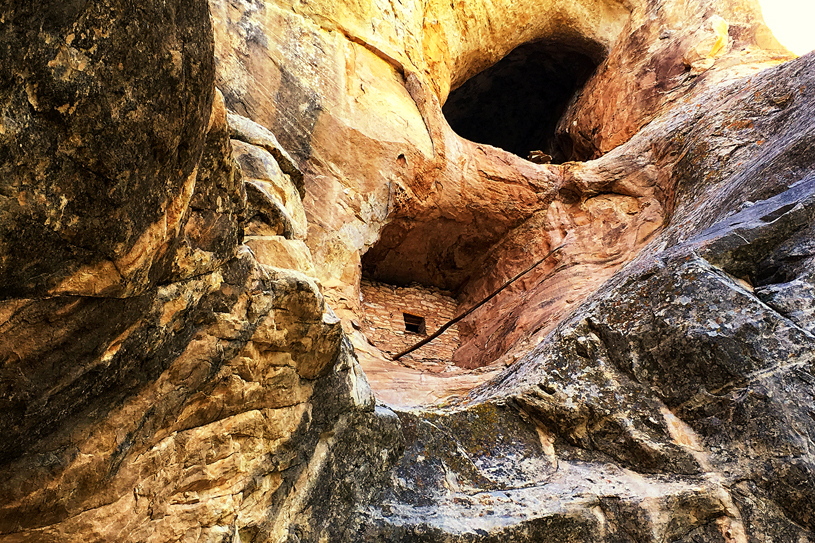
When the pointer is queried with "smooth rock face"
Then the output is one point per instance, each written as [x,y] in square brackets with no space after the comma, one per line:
[181,265]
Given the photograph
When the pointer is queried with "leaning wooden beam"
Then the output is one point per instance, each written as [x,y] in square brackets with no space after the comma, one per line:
[450,323]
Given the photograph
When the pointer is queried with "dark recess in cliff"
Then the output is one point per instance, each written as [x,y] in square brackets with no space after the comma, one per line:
[516,104]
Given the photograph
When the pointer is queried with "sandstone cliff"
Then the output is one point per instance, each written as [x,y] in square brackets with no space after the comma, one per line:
[192,191]
[161,380]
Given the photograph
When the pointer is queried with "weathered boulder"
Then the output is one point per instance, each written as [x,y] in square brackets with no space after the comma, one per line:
[158,380]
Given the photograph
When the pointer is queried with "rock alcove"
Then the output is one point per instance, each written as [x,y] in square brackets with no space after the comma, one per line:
[162,380]
[517,103]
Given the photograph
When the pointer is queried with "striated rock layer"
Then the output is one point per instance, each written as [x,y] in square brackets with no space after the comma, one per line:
[181,267]
[159,380]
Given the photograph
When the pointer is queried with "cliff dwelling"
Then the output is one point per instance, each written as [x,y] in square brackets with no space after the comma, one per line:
[518,104]
[396,318]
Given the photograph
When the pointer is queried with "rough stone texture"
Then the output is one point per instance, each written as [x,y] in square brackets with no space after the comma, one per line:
[162,380]
[159,381]
[122,121]
[384,325]
[668,406]
[675,372]
[215,443]
[367,82]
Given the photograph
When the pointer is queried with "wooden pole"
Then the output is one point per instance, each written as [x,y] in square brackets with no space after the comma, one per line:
[450,323]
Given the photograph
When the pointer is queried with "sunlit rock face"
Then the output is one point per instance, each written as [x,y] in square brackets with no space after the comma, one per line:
[191,194]
[375,105]
[160,379]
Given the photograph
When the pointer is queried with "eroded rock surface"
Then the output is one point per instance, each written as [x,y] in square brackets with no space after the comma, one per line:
[181,266]
[160,380]
[676,378]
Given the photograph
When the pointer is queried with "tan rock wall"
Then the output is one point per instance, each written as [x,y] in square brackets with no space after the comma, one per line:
[354,92]
[384,325]
[177,380]
[367,80]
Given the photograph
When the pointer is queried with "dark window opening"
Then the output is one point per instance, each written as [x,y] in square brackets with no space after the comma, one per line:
[415,324]
[517,103]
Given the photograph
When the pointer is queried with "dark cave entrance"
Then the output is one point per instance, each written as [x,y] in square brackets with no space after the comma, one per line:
[517,103]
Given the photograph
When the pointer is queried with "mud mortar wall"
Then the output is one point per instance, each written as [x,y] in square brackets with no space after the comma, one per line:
[384,305]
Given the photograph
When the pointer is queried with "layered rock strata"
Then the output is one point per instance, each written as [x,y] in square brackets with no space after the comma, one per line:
[172,371]
[685,124]
[159,380]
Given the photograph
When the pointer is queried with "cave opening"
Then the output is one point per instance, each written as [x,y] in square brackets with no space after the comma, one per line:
[516,104]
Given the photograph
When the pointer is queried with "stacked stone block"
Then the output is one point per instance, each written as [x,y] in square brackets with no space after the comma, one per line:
[384,325]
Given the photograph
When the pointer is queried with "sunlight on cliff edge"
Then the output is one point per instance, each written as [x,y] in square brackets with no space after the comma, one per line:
[791,23]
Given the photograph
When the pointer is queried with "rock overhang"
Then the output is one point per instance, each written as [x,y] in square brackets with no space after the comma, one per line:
[561,43]
[638,431]
[461,238]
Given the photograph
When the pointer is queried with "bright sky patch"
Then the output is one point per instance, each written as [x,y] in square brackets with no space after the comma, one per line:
[792,23]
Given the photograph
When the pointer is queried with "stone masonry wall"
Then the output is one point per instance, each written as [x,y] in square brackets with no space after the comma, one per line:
[384,325]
